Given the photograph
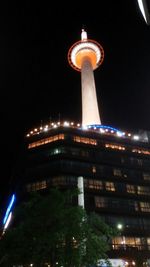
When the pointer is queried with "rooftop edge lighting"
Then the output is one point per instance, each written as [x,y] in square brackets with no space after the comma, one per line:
[105,127]
[99,128]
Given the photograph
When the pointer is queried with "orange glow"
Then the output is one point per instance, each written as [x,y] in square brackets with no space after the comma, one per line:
[86,54]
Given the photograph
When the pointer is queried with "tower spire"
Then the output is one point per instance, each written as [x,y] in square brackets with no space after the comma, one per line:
[83,35]
[86,55]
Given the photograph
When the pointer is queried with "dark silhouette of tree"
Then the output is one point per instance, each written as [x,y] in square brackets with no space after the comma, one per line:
[51,230]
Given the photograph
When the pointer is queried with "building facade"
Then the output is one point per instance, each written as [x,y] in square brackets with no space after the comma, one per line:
[115,167]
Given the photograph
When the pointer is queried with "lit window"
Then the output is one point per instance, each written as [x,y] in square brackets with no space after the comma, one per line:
[93,184]
[93,169]
[141,151]
[146,176]
[36,186]
[117,172]
[130,188]
[100,202]
[143,190]
[110,186]
[85,140]
[46,140]
[145,206]
[114,146]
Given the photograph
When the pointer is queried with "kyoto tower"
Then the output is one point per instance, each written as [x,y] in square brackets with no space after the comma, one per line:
[87,55]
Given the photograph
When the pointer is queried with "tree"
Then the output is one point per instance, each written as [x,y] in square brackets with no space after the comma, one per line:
[51,230]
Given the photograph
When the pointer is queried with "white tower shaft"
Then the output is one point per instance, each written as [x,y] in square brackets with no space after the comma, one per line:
[90,112]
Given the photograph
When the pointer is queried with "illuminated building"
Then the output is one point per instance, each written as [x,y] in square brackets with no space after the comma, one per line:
[115,166]
[86,55]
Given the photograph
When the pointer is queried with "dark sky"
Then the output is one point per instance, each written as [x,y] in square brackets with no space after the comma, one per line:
[37,83]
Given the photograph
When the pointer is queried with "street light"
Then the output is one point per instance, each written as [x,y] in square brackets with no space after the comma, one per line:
[120,227]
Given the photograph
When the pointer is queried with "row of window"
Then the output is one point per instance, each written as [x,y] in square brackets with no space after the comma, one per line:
[111,186]
[85,140]
[121,173]
[100,202]
[140,243]
[91,184]
[96,171]
[125,205]
[133,223]
[46,140]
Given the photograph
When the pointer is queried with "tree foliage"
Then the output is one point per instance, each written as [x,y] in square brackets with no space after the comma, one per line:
[51,230]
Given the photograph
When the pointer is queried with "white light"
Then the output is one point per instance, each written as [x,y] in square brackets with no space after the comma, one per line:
[136,137]
[141,6]
[83,35]
[66,123]
[8,220]
[84,127]
[119,226]
[119,134]
[88,46]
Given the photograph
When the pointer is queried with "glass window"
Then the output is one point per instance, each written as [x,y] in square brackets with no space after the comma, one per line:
[100,202]
[130,188]
[93,184]
[46,140]
[143,190]
[146,176]
[85,140]
[109,186]
[36,186]
[117,172]
[145,206]
[115,146]
[94,169]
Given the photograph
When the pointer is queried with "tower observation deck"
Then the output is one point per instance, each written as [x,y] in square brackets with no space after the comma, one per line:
[87,55]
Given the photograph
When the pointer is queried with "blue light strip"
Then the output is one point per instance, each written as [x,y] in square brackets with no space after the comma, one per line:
[99,126]
[9,208]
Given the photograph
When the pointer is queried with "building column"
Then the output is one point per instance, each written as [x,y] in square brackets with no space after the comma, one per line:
[81,191]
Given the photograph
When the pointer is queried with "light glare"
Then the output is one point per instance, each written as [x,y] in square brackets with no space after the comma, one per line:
[8,221]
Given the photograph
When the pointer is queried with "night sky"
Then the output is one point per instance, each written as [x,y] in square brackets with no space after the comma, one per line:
[38,85]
